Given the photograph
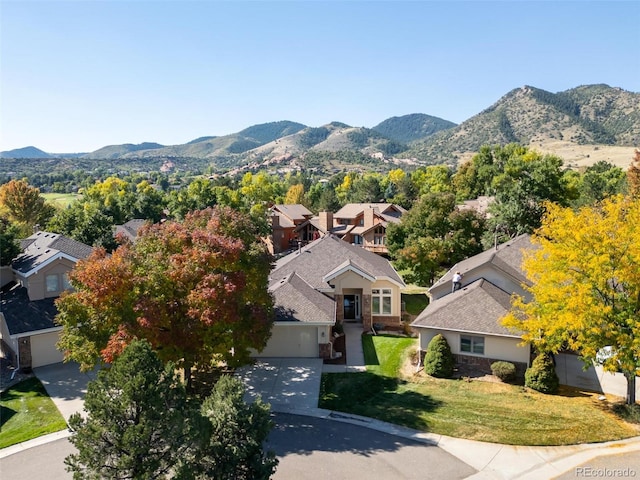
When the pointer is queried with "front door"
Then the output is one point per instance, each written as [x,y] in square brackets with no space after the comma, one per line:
[351,307]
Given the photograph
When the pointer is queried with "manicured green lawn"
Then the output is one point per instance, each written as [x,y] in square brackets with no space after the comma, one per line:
[492,412]
[27,412]
[414,303]
[61,199]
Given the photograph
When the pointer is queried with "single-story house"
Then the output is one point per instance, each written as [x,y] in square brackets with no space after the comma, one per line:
[469,318]
[27,309]
[325,282]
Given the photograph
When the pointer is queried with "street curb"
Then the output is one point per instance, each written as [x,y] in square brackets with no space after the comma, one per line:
[36,442]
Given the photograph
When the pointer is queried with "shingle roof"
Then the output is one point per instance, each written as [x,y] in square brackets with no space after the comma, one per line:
[507,257]
[130,229]
[476,308]
[294,212]
[322,256]
[41,247]
[352,210]
[23,315]
[296,301]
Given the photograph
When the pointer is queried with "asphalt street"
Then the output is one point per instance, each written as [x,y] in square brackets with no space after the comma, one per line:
[307,448]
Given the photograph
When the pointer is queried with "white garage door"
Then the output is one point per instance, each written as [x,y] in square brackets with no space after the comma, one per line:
[43,349]
[292,341]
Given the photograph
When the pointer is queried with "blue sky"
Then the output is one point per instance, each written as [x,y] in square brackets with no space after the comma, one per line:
[79,75]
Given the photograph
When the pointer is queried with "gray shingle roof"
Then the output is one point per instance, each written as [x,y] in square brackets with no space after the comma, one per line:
[507,257]
[130,229]
[322,256]
[476,308]
[41,247]
[296,301]
[23,315]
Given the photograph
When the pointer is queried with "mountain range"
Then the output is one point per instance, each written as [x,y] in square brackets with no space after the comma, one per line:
[589,122]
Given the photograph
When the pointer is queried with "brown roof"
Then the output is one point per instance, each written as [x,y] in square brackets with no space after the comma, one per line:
[352,210]
[293,211]
[476,308]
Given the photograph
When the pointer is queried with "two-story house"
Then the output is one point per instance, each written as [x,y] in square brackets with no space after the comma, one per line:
[27,310]
[361,224]
[284,221]
[325,282]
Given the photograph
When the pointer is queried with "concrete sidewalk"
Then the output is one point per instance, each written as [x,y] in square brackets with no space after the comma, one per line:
[355,356]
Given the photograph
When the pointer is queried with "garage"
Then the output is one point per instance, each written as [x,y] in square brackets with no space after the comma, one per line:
[291,340]
[43,349]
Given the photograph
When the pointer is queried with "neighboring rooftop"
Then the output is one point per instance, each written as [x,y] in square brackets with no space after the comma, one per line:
[507,257]
[352,210]
[131,228]
[295,212]
[475,308]
[42,247]
[23,315]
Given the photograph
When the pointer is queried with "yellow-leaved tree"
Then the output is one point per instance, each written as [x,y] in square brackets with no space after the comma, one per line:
[585,292]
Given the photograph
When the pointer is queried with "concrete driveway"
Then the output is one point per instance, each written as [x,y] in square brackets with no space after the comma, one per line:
[66,385]
[286,383]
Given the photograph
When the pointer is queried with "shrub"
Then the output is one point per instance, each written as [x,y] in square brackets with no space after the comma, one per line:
[505,371]
[541,375]
[438,361]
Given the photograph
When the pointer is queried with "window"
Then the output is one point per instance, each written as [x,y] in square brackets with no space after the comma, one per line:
[357,240]
[472,344]
[52,283]
[381,301]
[379,237]
[66,284]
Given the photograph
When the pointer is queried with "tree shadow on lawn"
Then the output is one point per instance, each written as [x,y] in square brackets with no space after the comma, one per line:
[376,396]
[6,414]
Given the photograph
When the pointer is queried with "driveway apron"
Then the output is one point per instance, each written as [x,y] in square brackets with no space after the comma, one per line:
[286,383]
[66,385]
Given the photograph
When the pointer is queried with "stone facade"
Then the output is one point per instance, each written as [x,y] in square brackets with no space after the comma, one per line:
[324,350]
[366,312]
[24,353]
[484,364]
[339,298]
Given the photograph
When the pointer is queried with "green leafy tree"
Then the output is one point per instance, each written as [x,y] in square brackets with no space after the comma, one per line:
[235,450]
[434,235]
[9,244]
[196,290]
[22,203]
[585,286]
[600,181]
[138,423]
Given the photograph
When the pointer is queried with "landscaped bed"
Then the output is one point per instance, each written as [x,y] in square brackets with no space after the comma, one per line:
[27,412]
[392,390]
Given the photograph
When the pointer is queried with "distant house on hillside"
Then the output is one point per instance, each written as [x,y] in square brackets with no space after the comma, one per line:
[130,229]
[27,309]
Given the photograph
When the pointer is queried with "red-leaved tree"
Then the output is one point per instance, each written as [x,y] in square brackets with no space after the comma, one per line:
[196,290]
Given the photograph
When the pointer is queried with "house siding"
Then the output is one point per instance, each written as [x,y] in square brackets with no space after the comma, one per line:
[36,283]
[495,348]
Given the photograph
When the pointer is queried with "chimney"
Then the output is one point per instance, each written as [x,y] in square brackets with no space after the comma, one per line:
[326,221]
[275,220]
[368,217]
